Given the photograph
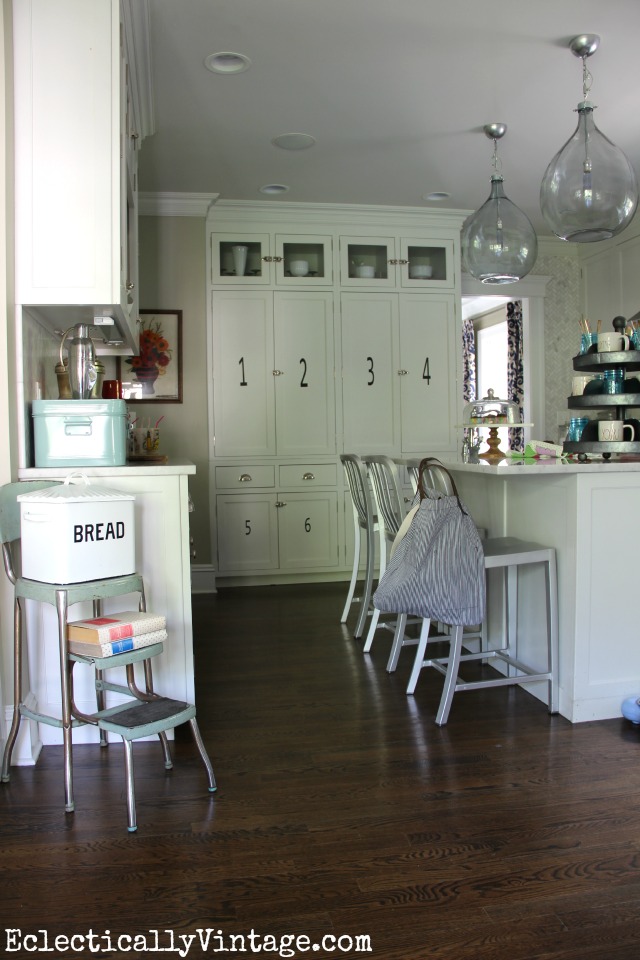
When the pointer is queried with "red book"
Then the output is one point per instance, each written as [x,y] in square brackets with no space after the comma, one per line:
[115,626]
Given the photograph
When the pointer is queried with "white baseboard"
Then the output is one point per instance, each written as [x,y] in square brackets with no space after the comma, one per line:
[203,578]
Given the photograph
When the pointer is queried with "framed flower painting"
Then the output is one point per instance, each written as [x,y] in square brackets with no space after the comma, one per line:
[155,374]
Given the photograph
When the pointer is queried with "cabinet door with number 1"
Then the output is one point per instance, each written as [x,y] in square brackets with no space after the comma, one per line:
[243,374]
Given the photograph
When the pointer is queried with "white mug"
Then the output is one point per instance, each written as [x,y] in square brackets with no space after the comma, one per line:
[578,385]
[612,341]
[612,431]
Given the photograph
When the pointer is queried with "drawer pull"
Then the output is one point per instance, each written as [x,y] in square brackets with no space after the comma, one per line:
[308,476]
[280,503]
[245,478]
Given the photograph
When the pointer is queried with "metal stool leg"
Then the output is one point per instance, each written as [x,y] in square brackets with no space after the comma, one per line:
[17,689]
[61,607]
[195,730]
[131,793]
[417,663]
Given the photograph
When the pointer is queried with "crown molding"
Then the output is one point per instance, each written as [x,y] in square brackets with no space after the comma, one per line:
[175,204]
[357,214]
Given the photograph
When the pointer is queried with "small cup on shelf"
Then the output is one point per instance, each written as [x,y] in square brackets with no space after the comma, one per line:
[587,340]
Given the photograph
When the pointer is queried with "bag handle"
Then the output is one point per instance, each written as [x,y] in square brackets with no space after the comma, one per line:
[422,469]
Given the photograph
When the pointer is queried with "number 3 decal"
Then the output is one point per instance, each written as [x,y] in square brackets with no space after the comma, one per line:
[370,382]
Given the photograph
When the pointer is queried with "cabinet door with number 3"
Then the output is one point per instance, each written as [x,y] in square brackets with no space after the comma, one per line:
[243,374]
[370,389]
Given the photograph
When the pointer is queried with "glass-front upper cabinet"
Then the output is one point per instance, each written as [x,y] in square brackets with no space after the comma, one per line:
[252,259]
[301,260]
[396,262]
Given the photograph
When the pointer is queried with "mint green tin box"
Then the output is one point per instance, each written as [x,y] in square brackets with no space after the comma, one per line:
[75,433]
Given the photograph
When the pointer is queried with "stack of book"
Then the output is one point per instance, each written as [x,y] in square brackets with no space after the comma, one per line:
[116,633]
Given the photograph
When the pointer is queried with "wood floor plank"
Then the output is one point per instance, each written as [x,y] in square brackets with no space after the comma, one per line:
[342,808]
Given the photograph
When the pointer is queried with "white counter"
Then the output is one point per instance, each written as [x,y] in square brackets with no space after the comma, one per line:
[590,513]
[162,557]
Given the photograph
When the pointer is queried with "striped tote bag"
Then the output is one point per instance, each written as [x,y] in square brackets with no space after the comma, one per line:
[436,570]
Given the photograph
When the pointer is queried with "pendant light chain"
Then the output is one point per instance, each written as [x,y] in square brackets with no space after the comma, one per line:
[587,79]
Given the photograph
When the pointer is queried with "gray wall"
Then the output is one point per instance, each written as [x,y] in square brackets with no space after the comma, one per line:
[172,277]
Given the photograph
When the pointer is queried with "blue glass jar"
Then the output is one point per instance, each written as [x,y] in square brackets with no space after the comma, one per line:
[587,340]
[613,380]
[576,426]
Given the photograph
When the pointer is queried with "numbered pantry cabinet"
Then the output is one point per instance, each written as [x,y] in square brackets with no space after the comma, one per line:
[391,262]
[398,373]
[273,373]
[267,259]
[285,531]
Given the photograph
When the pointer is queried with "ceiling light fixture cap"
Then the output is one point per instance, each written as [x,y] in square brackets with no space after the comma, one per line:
[272,189]
[294,141]
[495,131]
[584,45]
[227,62]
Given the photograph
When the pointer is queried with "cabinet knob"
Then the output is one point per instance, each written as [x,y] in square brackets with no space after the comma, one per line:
[393,261]
[245,478]
[308,476]
[280,503]
[278,373]
[402,373]
[403,262]
[130,285]
[268,259]
[134,135]
[277,259]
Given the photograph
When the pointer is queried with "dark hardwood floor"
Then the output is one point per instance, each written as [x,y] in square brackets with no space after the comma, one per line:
[342,810]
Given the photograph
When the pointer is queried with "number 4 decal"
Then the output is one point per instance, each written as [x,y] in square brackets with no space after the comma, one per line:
[425,372]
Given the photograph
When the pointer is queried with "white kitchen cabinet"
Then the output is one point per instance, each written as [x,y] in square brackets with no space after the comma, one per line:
[389,262]
[399,385]
[283,406]
[75,164]
[269,258]
[273,373]
[162,557]
[611,281]
[286,531]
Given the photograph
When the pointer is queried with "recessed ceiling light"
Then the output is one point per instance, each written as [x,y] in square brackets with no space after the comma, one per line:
[227,62]
[294,141]
[272,188]
[437,195]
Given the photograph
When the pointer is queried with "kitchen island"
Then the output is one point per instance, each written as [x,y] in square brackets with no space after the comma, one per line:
[162,557]
[590,513]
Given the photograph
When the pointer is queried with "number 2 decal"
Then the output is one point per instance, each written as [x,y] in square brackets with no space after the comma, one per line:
[370,382]
[303,382]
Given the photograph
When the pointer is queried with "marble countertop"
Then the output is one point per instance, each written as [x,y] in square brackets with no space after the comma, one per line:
[170,468]
[520,467]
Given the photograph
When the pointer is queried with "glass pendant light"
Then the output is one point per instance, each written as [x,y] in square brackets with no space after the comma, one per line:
[589,191]
[499,243]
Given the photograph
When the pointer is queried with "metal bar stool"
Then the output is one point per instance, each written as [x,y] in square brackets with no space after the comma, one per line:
[364,519]
[508,554]
[391,509]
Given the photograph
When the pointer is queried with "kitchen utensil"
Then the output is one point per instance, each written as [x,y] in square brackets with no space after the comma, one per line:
[81,361]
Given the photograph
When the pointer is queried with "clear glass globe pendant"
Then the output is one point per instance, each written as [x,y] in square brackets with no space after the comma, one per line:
[499,243]
[589,191]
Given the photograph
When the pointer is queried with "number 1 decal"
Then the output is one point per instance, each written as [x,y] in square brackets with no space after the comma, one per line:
[243,382]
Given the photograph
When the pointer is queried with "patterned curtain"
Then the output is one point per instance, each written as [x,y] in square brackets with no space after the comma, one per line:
[468,361]
[515,373]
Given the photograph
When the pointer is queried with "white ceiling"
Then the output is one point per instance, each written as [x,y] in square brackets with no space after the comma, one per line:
[395,93]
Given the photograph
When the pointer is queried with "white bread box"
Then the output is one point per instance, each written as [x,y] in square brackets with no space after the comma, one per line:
[73,532]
